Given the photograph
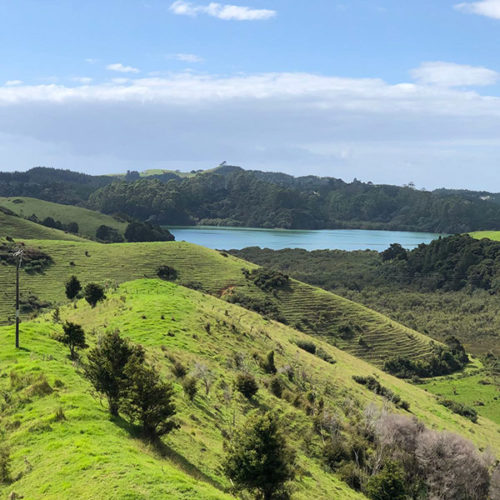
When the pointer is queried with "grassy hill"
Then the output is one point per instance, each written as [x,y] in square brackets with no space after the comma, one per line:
[88,220]
[491,235]
[86,455]
[17,227]
[348,325]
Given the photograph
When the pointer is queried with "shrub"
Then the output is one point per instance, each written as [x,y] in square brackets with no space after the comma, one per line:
[178,369]
[190,387]
[108,234]
[166,273]
[334,453]
[351,474]
[73,287]
[268,365]
[267,279]
[94,293]
[73,337]
[259,457]
[247,385]
[143,231]
[388,484]
[5,464]
[148,400]
[276,386]
[374,385]
[307,345]
[460,409]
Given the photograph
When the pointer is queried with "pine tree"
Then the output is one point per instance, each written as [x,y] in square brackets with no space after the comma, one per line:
[74,337]
[73,286]
[259,457]
[147,399]
[106,365]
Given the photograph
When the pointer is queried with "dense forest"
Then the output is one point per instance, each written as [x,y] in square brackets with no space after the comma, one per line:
[446,288]
[223,196]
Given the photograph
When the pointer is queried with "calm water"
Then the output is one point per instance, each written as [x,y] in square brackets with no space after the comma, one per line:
[343,239]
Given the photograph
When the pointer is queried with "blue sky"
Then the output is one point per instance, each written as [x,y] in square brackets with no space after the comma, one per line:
[387,91]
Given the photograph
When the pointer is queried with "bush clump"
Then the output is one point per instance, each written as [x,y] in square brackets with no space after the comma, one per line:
[460,409]
[247,385]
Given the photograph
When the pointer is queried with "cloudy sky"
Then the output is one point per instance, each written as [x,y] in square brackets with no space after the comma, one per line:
[390,91]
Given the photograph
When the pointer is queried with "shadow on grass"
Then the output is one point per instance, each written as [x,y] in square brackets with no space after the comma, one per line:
[165,451]
[182,462]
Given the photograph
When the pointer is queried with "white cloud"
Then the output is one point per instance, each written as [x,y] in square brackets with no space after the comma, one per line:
[84,80]
[189,58]
[91,60]
[488,8]
[307,123]
[13,83]
[221,11]
[447,74]
[120,68]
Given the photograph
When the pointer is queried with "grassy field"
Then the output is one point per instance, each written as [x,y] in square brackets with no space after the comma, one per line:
[313,310]
[491,235]
[16,227]
[87,455]
[88,220]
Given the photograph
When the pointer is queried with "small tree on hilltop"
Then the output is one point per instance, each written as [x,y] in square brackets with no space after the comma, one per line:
[147,400]
[106,367]
[74,337]
[73,287]
[94,293]
[259,457]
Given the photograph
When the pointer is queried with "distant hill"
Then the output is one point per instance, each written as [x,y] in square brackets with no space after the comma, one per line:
[16,227]
[231,196]
[88,220]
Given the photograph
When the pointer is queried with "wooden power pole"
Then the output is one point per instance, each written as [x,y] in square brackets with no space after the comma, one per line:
[19,255]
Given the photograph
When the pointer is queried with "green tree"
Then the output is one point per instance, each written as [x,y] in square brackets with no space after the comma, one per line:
[106,367]
[388,484]
[259,457]
[74,337]
[94,293]
[247,385]
[73,287]
[147,400]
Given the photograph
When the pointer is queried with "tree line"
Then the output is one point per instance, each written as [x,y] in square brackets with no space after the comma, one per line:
[223,197]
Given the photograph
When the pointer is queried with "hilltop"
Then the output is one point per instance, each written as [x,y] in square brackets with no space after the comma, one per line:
[64,444]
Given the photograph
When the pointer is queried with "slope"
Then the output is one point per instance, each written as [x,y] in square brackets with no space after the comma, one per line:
[314,311]
[93,454]
[17,227]
[88,220]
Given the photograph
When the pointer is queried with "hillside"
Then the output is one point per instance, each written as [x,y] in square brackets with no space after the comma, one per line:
[88,220]
[348,325]
[86,454]
[17,227]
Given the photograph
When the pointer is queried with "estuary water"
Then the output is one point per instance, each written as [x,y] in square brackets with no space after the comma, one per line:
[342,239]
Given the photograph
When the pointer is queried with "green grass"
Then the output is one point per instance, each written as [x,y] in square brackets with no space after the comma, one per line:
[88,455]
[318,312]
[19,228]
[474,388]
[491,235]
[88,220]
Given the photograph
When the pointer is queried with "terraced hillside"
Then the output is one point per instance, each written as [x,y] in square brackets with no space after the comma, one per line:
[17,227]
[85,454]
[88,220]
[344,323]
